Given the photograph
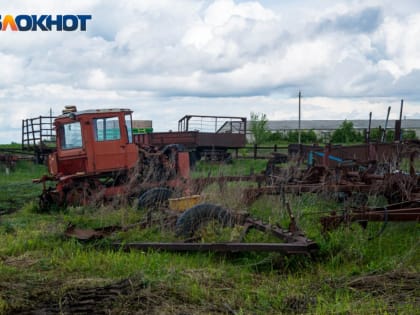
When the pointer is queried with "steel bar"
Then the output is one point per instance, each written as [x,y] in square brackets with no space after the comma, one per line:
[386,126]
[384,214]
[286,248]
[301,188]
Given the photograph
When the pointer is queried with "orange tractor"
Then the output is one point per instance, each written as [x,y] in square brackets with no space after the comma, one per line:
[97,159]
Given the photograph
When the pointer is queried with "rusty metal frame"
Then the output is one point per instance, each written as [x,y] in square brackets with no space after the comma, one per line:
[295,241]
[402,212]
[285,248]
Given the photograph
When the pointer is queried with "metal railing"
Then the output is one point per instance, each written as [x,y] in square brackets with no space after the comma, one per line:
[38,132]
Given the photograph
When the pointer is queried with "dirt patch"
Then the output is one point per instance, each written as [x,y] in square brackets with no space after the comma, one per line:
[22,261]
[396,286]
[88,296]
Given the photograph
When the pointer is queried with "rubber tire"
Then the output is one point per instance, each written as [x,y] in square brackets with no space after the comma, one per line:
[154,197]
[191,220]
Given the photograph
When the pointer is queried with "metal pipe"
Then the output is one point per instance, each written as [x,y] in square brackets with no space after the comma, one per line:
[401,108]
[386,125]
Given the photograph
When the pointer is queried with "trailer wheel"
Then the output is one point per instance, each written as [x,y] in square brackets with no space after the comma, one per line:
[192,219]
[154,197]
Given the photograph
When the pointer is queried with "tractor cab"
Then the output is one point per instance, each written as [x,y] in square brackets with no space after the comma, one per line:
[93,142]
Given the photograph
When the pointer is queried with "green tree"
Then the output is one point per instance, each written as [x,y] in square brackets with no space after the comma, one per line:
[258,128]
[305,136]
[346,133]
[308,136]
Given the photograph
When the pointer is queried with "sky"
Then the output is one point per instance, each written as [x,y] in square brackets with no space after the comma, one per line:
[165,59]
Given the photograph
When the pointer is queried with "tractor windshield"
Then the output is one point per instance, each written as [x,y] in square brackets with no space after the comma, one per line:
[71,136]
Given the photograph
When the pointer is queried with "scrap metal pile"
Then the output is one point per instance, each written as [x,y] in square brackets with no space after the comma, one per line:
[341,173]
[98,159]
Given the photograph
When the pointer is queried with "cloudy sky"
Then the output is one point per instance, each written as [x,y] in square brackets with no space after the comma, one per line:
[166,58]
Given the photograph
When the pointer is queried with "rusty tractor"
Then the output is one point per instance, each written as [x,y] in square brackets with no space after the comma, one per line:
[97,159]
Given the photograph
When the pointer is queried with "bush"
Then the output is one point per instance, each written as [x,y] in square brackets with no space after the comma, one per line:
[276,137]
[305,136]
[409,135]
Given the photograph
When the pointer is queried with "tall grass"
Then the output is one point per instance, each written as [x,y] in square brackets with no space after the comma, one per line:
[37,263]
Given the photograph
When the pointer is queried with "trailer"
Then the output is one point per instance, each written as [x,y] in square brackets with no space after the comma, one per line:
[38,137]
[208,137]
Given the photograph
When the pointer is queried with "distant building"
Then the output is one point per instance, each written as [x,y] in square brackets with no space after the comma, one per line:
[326,127]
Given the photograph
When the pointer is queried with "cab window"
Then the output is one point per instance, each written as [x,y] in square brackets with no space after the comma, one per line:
[71,136]
[107,129]
[128,128]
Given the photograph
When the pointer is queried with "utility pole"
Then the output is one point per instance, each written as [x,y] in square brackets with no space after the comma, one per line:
[300,95]
[401,112]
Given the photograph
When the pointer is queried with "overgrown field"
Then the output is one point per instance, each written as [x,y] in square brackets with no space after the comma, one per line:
[355,272]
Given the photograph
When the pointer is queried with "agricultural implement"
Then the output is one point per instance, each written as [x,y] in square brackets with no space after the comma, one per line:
[403,211]
[346,172]
[8,160]
[352,174]
[189,223]
[9,157]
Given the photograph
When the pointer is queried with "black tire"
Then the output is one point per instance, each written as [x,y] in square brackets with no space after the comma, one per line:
[194,156]
[192,219]
[154,197]
[167,149]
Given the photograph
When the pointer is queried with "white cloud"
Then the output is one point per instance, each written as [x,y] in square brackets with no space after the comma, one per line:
[221,11]
[97,79]
[213,57]
[400,38]
[11,69]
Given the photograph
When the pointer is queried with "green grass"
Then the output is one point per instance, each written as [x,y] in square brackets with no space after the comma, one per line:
[351,274]
[11,146]
[237,167]
[16,186]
